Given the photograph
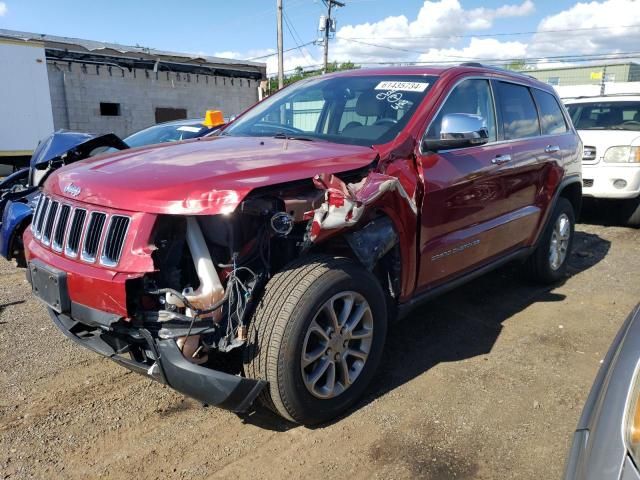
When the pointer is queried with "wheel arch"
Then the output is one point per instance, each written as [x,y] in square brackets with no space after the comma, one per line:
[572,191]
[377,247]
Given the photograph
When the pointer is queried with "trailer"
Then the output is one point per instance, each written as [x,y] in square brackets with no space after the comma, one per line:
[25,102]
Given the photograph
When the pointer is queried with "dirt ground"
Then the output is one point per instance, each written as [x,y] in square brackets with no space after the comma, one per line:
[485,382]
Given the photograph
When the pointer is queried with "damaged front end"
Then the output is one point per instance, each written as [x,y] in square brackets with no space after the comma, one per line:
[186,322]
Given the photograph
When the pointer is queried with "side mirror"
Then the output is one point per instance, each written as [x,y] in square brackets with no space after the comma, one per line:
[458,130]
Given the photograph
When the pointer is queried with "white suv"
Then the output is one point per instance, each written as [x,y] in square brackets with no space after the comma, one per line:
[610,130]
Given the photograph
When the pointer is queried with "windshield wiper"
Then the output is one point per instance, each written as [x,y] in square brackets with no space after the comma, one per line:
[284,136]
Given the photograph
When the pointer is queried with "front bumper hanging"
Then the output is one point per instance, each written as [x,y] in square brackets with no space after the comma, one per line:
[212,387]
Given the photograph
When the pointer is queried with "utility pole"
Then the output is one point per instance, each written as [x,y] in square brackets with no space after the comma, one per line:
[327,29]
[280,52]
[602,80]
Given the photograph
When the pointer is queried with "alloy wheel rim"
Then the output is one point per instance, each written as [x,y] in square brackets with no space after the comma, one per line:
[559,242]
[337,345]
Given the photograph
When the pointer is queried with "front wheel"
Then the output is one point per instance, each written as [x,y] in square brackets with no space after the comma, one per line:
[317,338]
[548,263]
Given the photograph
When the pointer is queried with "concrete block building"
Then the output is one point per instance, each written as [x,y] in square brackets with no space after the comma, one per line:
[102,87]
[588,74]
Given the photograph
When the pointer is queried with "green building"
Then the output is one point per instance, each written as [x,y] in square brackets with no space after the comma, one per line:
[588,75]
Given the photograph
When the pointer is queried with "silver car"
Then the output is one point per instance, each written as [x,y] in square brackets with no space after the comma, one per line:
[606,444]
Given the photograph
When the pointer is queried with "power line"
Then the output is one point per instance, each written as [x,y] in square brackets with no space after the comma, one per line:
[498,34]
[581,58]
[452,56]
[297,40]
[284,51]
[381,46]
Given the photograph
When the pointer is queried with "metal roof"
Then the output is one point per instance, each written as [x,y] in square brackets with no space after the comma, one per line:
[126,51]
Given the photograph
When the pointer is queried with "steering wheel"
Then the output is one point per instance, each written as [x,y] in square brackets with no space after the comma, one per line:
[277,128]
[385,121]
[631,122]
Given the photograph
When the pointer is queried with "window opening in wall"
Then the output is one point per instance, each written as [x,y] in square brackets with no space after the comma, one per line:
[164,114]
[108,109]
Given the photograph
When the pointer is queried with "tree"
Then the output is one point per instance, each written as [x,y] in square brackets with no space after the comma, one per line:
[516,65]
[300,73]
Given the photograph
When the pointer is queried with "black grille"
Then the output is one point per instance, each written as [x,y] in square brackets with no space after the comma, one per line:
[61,228]
[48,223]
[38,212]
[587,182]
[588,153]
[114,240]
[75,232]
[41,216]
[93,235]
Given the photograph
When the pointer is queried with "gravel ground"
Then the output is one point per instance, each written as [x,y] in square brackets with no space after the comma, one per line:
[485,382]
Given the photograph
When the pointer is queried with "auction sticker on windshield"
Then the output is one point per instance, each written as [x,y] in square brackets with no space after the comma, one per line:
[402,86]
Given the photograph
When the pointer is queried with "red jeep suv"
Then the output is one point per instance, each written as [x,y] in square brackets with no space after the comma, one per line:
[266,263]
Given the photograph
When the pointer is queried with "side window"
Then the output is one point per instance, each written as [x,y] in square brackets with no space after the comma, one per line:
[518,112]
[471,96]
[302,112]
[551,118]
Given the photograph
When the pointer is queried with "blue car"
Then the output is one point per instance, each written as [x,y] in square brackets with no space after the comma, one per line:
[19,192]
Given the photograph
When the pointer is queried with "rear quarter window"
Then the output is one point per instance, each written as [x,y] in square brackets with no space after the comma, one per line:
[552,120]
[517,111]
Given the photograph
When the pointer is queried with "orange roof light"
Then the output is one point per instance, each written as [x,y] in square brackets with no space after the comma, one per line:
[213,118]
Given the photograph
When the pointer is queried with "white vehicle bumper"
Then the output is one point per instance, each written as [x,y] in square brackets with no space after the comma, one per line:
[598,181]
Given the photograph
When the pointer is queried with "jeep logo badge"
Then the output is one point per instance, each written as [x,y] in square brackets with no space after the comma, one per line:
[72,190]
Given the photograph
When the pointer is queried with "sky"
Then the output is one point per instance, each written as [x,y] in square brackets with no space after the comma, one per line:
[368,31]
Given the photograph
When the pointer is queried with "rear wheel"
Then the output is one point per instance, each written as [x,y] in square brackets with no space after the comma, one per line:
[317,338]
[548,263]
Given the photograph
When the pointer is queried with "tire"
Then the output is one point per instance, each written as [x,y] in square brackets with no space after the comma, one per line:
[631,212]
[282,327]
[541,266]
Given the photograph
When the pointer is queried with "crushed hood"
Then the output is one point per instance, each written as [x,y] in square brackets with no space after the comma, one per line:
[80,144]
[204,176]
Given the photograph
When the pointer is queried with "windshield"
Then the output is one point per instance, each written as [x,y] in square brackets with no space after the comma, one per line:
[358,110]
[605,115]
[171,132]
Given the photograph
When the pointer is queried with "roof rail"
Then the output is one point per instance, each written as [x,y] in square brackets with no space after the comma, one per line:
[619,94]
[498,69]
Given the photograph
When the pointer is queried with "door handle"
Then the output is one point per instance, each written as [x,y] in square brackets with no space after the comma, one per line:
[552,149]
[500,159]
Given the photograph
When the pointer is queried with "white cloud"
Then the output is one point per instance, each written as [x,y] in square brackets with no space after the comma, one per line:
[3,9]
[443,31]
[478,49]
[437,25]
[607,19]
[292,58]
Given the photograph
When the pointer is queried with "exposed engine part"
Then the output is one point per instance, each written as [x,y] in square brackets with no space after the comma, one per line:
[209,293]
[210,290]
[282,223]
[373,241]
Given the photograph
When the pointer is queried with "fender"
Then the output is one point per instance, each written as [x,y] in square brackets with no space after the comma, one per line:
[15,214]
[566,181]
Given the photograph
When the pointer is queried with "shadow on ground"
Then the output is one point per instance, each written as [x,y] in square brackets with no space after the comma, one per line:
[605,212]
[9,304]
[461,324]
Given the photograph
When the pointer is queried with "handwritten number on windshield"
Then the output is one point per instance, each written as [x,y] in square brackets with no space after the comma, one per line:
[394,98]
